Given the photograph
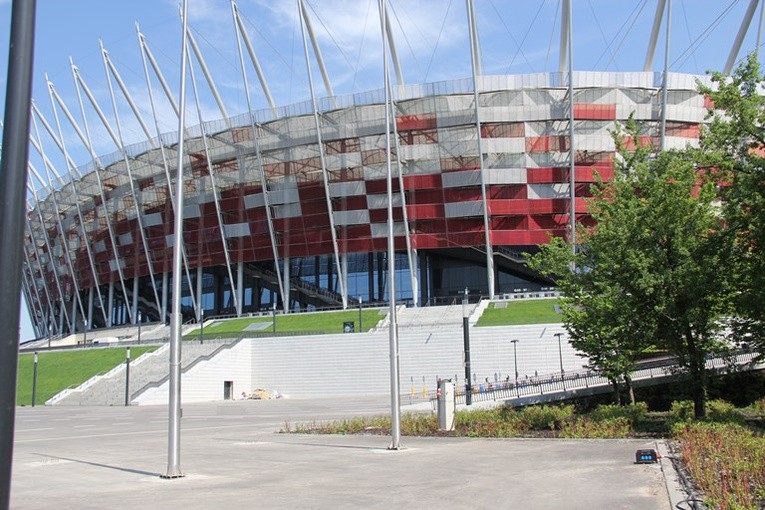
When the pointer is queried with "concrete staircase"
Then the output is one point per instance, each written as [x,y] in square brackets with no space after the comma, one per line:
[150,368]
[433,317]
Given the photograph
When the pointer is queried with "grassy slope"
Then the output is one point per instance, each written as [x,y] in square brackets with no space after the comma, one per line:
[536,311]
[308,322]
[57,371]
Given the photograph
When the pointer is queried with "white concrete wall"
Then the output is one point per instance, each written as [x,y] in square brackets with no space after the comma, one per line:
[347,364]
[359,363]
[204,382]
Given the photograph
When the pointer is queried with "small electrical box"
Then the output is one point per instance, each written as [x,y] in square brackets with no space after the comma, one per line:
[646,456]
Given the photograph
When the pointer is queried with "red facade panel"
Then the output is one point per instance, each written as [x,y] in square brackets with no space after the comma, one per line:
[422,181]
[589,111]
[419,121]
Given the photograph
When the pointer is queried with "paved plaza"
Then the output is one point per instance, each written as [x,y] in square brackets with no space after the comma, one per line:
[233,457]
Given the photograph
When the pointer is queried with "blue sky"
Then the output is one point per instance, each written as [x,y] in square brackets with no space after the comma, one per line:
[517,36]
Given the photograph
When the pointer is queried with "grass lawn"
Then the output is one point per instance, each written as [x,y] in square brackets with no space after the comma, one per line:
[59,370]
[533,311]
[328,322]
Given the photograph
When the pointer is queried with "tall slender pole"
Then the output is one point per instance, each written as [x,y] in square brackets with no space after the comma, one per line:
[466,340]
[127,377]
[13,179]
[140,319]
[174,402]
[560,354]
[34,382]
[759,28]
[201,326]
[572,151]
[476,69]
[395,404]
[665,81]
[361,324]
[515,362]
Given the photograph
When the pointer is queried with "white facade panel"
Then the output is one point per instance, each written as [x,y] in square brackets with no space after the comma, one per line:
[463,209]
[233,230]
[153,220]
[347,189]
[381,201]
[287,211]
[459,179]
[515,145]
[191,211]
[548,191]
[356,217]
[254,201]
[379,230]
[506,176]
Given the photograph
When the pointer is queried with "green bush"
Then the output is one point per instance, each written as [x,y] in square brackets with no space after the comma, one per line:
[681,412]
[758,407]
[724,412]
[546,417]
[587,428]
[633,413]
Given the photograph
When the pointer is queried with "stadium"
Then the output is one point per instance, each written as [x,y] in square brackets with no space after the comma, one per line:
[287,207]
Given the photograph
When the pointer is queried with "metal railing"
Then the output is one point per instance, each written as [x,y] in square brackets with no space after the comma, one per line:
[571,384]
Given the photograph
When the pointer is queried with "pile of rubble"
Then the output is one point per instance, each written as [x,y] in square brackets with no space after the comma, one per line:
[261,394]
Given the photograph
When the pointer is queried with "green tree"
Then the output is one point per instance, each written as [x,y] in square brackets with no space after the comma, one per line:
[652,271]
[733,144]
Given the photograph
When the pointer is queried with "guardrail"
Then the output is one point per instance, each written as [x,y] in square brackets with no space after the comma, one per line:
[572,384]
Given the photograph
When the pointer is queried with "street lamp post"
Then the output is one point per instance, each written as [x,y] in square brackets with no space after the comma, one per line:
[127,377]
[34,382]
[202,326]
[140,317]
[361,325]
[560,355]
[515,362]
[466,338]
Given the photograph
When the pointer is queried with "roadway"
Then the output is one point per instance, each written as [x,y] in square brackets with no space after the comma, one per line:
[233,457]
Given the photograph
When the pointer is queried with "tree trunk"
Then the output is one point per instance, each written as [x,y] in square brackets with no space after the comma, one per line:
[630,389]
[698,373]
[615,385]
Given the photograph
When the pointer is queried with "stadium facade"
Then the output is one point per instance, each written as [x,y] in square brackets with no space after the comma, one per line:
[287,207]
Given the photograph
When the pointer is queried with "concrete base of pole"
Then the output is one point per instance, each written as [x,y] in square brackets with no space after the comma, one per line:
[171,476]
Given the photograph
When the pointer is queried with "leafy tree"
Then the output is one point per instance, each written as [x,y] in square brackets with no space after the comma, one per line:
[652,271]
[734,144]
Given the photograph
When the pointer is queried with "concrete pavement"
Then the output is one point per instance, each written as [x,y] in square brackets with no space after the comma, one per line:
[234,457]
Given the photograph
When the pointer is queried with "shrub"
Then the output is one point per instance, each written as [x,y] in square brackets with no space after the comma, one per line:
[727,462]
[587,428]
[724,412]
[681,412]
[633,413]
[759,406]
[546,417]
[419,424]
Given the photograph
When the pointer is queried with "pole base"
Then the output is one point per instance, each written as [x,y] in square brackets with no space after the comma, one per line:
[170,476]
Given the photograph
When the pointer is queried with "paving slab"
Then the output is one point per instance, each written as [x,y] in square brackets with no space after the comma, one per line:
[233,457]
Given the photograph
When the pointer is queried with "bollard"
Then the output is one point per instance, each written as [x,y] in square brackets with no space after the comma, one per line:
[445,397]
[34,382]
[127,377]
